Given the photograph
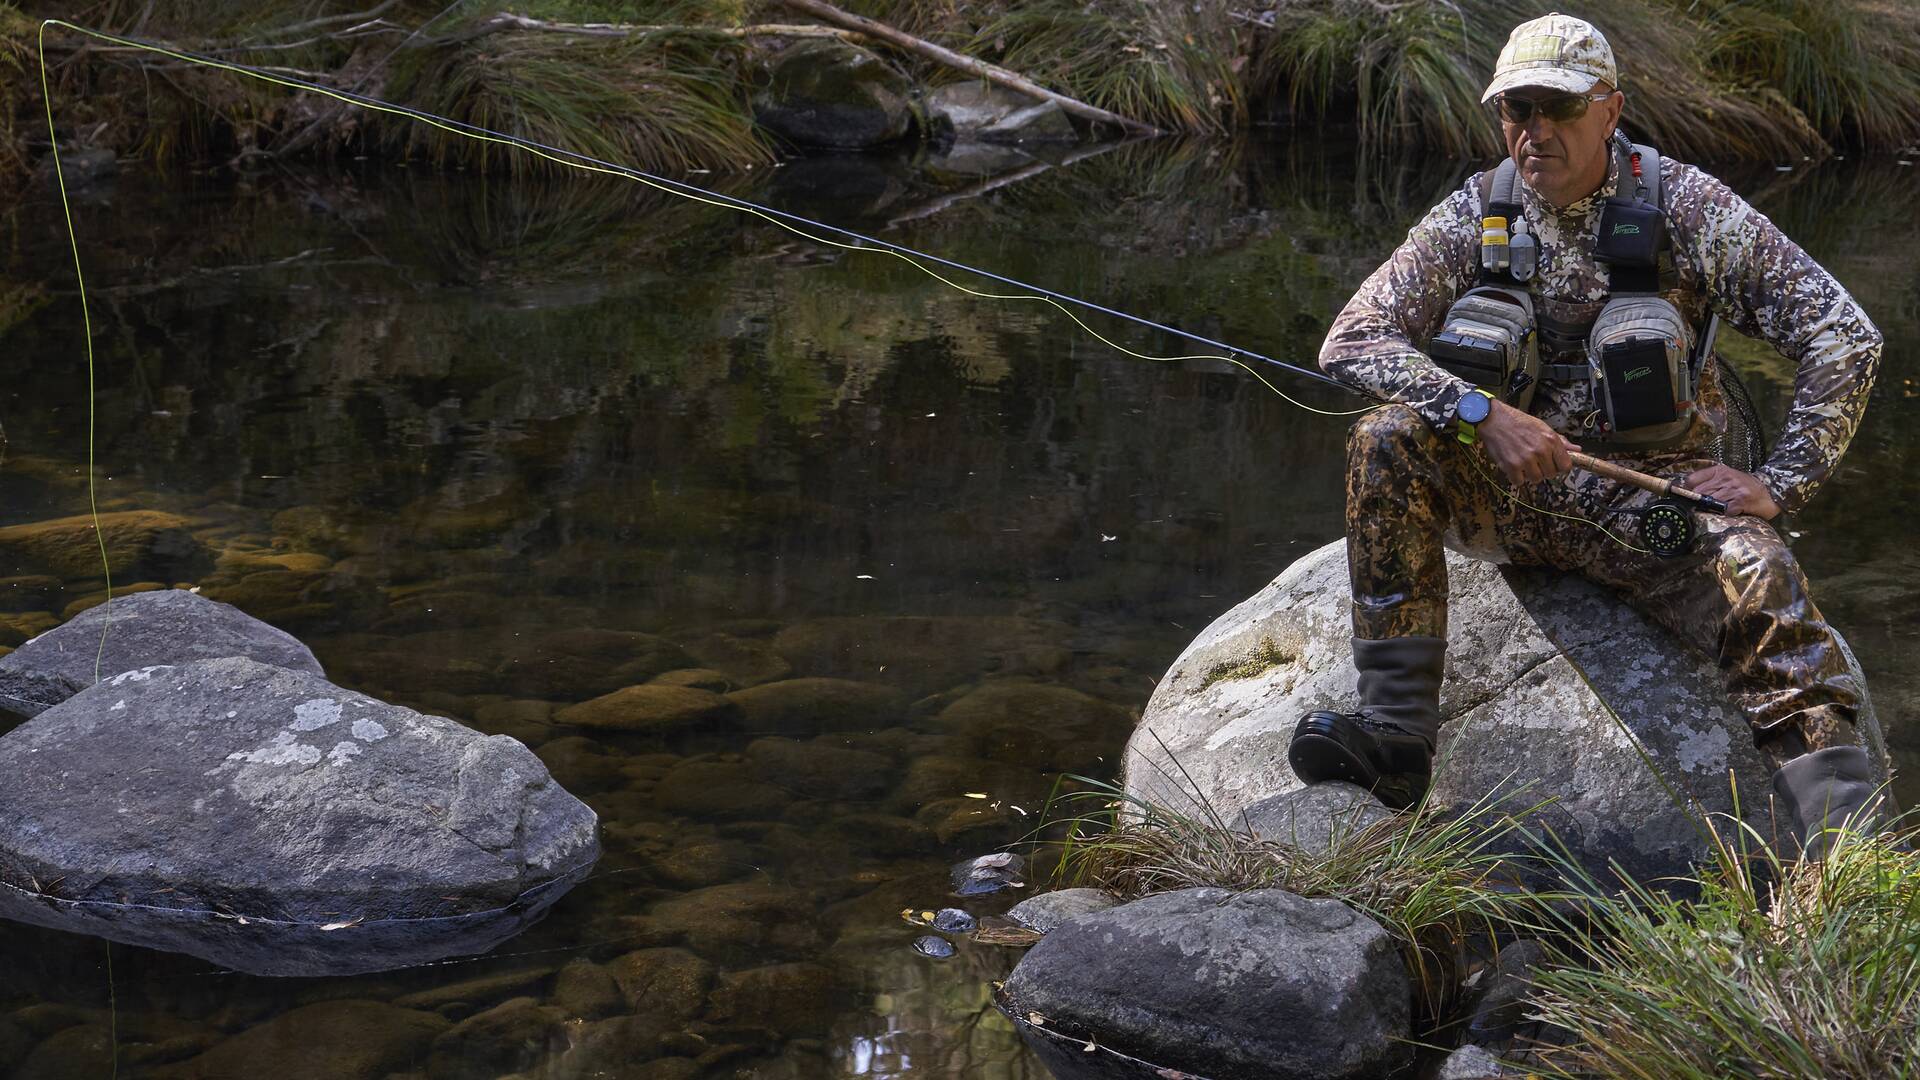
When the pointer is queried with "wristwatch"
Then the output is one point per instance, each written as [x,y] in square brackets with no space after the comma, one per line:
[1474,406]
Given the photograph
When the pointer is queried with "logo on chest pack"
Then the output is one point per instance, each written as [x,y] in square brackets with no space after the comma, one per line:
[1626,228]
[1636,373]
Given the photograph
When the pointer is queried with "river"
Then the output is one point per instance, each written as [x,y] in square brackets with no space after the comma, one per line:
[472,439]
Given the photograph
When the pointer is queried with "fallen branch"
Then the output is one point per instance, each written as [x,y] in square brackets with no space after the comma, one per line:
[977,68]
[507,20]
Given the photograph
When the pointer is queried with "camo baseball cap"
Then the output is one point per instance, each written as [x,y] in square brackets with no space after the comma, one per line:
[1556,51]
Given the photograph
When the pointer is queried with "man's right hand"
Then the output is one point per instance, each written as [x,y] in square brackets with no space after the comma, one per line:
[1524,447]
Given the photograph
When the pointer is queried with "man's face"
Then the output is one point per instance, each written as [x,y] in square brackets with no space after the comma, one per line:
[1565,161]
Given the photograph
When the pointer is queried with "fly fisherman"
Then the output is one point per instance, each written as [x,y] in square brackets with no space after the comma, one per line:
[1565,300]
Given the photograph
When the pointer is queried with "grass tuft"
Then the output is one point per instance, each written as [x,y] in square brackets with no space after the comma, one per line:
[659,102]
[1814,975]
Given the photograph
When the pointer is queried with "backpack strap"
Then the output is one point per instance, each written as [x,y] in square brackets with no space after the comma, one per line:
[1637,276]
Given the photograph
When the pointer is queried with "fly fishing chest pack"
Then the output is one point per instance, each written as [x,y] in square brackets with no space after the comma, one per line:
[1641,361]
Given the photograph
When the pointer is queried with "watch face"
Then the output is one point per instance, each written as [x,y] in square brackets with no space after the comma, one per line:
[1473,408]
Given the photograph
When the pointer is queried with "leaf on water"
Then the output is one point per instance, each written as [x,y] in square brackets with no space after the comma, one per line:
[338,925]
[1036,1019]
[1002,859]
[1089,1048]
[973,795]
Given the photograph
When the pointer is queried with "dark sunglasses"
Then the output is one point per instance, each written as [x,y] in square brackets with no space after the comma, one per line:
[1559,108]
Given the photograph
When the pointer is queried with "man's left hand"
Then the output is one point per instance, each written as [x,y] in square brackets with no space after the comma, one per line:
[1742,492]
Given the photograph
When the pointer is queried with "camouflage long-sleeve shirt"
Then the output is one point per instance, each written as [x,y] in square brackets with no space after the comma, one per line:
[1728,258]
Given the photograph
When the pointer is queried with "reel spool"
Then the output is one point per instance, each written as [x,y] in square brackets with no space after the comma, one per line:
[1667,529]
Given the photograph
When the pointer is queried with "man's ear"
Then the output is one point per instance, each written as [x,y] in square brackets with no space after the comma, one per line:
[1615,105]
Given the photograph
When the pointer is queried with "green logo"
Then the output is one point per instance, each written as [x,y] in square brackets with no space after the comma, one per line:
[1636,373]
[1626,229]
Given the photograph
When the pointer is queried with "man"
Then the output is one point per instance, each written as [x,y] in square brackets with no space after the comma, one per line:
[1426,465]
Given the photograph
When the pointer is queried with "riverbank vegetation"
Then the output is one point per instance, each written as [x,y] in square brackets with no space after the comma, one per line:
[667,84]
[1754,968]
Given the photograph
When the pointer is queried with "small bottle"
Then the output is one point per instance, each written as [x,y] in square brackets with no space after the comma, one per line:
[1493,244]
[1523,252]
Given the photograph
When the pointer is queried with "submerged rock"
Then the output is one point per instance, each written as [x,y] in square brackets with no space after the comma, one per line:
[1048,910]
[933,945]
[1553,686]
[139,545]
[988,874]
[170,626]
[271,822]
[1260,983]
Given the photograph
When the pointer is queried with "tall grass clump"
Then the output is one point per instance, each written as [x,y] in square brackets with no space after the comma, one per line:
[1776,970]
[1432,880]
[1850,70]
[1714,79]
[662,102]
[16,55]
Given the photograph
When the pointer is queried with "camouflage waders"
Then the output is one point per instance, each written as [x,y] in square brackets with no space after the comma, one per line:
[1739,597]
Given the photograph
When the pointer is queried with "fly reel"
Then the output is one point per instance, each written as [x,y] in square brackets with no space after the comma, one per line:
[1667,529]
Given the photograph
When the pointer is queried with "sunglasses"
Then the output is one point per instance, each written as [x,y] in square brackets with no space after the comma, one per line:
[1559,108]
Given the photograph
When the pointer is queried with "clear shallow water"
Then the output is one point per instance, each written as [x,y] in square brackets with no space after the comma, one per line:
[491,450]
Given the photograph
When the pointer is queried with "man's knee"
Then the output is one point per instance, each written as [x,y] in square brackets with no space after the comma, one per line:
[1753,560]
[1392,428]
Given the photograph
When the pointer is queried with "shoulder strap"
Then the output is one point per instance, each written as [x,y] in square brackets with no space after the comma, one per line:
[1500,190]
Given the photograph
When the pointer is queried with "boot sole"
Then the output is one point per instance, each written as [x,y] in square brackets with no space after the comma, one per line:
[1316,754]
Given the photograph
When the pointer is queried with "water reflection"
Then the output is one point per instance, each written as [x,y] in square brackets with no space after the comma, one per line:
[494,450]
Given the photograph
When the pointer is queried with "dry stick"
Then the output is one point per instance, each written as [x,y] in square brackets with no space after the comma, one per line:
[507,20]
[977,68]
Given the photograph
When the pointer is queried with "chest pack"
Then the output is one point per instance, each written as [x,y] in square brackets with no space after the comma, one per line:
[1639,358]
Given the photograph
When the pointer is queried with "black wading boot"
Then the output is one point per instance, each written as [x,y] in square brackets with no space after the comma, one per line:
[1819,793]
[1387,746]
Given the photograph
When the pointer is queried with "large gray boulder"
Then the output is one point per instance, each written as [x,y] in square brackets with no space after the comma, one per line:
[168,626]
[1260,984]
[1553,685]
[273,823]
[832,94]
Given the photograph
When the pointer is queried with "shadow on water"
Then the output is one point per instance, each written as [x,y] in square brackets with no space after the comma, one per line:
[492,449]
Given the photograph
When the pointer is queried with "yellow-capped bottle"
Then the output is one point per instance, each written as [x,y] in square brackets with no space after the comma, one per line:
[1493,244]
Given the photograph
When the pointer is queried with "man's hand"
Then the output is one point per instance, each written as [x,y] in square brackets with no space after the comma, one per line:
[1742,492]
[1524,447]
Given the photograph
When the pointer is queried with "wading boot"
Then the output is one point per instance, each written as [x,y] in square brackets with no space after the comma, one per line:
[1819,793]
[1386,746]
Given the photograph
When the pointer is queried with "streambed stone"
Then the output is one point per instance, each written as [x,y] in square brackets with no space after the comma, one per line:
[1206,981]
[271,822]
[1554,688]
[169,626]
[139,544]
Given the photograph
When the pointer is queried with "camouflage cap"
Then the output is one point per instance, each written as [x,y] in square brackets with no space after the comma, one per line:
[1556,51]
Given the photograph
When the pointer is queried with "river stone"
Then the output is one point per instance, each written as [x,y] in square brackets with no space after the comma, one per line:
[516,1034]
[1310,818]
[273,823]
[170,626]
[1048,910]
[833,94]
[1539,666]
[1470,1063]
[820,770]
[1034,724]
[140,545]
[921,654]
[1221,984]
[988,113]
[648,708]
[808,706]
[334,1040]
